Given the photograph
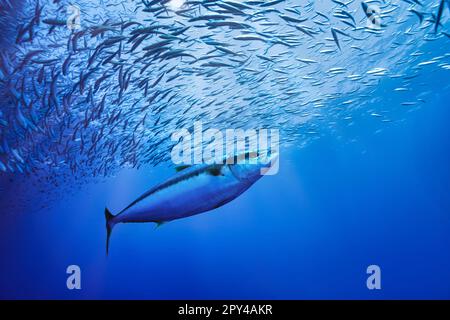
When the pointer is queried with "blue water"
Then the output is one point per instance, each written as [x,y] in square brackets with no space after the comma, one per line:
[309,232]
[366,192]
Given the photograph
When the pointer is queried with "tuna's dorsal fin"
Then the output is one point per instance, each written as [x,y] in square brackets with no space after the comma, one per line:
[180,168]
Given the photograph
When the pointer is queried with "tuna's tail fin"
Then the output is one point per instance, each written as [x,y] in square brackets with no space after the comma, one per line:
[109,226]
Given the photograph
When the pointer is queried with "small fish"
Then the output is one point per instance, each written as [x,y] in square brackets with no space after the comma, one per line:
[335,37]
[54,22]
[335,32]
[292,19]
[439,15]
[418,14]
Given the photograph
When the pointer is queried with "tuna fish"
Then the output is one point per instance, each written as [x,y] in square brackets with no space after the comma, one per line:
[193,190]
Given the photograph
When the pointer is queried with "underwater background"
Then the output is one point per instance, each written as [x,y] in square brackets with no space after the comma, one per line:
[364,191]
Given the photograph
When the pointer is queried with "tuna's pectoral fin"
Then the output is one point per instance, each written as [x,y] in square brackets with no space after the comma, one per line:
[159,223]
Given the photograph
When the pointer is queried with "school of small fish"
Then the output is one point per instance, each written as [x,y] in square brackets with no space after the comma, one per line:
[109,94]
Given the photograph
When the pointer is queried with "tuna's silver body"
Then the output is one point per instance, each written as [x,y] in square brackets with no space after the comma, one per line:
[191,191]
